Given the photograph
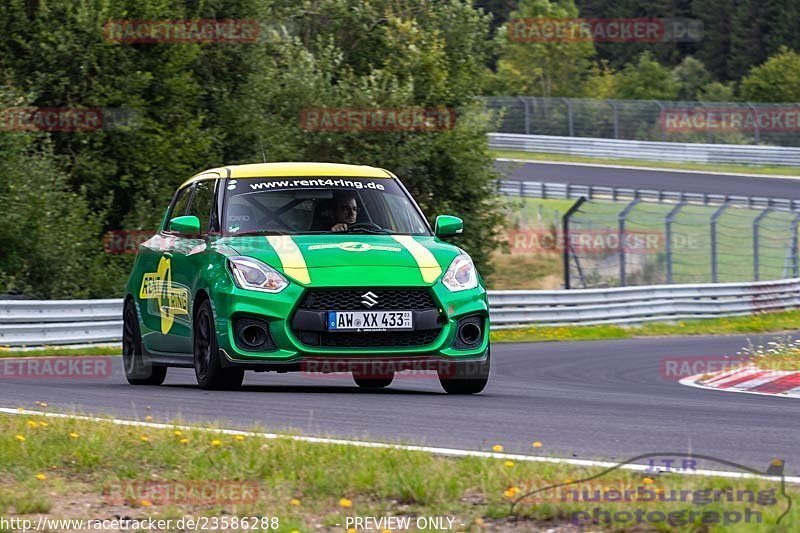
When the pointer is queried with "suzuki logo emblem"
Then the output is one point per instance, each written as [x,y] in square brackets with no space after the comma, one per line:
[370,299]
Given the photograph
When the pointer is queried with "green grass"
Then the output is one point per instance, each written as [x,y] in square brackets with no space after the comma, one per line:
[782,354]
[737,169]
[517,266]
[46,468]
[760,323]
[60,351]
[691,244]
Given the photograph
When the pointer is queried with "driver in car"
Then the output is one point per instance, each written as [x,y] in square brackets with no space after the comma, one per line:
[345,211]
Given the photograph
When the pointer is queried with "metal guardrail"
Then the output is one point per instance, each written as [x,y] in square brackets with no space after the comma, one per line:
[60,322]
[648,150]
[38,323]
[539,189]
[630,305]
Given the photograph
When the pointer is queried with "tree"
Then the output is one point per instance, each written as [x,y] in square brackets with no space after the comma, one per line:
[51,239]
[543,68]
[204,105]
[499,9]
[715,48]
[428,54]
[774,81]
[646,79]
[717,92]
[691,76]
[759,29]
[57,53]
[618,54]
[601,83]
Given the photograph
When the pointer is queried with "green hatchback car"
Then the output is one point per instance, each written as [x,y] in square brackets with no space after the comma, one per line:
[304,267]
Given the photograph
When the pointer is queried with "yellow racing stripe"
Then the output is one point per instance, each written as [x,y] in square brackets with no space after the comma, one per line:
[292,260]
[428,266]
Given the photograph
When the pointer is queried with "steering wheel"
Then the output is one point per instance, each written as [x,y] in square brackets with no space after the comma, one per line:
[365,225]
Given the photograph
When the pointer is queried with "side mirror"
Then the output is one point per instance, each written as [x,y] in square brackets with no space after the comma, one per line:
[448,225]
[188,225]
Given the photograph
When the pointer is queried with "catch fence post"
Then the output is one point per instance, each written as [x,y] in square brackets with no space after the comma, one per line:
[621,219]
[714,217]
[565,236]
[668,236]
[756,227]
[795,266]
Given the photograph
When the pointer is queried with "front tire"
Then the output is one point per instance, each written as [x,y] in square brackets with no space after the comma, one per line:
[138,371]
[207,366]
[465,377]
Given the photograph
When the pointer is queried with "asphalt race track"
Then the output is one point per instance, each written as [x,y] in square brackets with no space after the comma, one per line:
[589,400]
[774,187]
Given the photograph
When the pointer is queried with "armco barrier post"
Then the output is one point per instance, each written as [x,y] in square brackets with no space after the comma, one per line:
[565,235]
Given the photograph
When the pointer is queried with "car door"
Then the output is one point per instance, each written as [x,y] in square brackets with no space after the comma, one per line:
[155,258]
[188,258]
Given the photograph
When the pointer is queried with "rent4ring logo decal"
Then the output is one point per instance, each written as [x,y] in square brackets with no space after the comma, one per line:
[354,247]
[172,299]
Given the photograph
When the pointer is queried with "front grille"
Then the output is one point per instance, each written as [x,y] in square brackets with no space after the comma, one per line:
[377,339]
[350,300]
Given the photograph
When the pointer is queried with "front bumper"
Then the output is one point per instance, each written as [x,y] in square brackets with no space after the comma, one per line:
[365,365]
[290,353]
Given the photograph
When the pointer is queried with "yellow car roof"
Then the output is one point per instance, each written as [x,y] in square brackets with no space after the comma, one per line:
[277,170]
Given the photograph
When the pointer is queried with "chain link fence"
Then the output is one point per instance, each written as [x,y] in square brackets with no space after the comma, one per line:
[649,120]
[611,244]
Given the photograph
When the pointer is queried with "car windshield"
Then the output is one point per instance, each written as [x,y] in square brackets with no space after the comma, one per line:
[292,206]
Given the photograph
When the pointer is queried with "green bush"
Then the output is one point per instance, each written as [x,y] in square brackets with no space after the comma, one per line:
[210,104]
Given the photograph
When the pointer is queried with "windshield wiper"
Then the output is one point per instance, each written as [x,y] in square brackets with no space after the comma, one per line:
[381,231]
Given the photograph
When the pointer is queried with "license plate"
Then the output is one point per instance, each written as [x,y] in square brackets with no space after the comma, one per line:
[370,320]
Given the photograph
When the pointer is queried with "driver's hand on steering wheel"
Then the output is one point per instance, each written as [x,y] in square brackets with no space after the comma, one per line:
[341,226]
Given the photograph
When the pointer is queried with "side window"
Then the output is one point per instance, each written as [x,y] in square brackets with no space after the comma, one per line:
[180,204]
[202,203]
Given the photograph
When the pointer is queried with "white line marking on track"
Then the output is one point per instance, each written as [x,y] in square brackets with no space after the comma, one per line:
[651,169]
[449,452]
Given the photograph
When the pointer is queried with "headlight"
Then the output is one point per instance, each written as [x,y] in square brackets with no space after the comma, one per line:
[249,273]
[461,275]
